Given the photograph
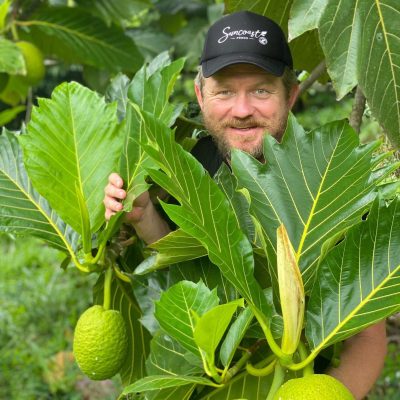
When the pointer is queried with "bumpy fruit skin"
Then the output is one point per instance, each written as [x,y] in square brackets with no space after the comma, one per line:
[33,57]
[313,387]
[100,342]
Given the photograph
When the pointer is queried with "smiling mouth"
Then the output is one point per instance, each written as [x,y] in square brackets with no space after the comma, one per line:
[245,129]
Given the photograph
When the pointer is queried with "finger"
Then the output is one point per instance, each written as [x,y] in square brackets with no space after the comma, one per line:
[116,180]
[111,204]
[113,191]
[108,214]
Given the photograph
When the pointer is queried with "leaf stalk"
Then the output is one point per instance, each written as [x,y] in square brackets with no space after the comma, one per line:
[279,377]
[107,289]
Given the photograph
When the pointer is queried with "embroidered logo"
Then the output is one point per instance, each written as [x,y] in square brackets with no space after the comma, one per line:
[243,34]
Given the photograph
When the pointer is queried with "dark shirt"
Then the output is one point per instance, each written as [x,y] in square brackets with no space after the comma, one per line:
[206,152]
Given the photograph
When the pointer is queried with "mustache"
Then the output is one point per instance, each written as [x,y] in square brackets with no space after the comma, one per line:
[243,123]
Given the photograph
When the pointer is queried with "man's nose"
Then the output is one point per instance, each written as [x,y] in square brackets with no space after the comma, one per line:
[241,107]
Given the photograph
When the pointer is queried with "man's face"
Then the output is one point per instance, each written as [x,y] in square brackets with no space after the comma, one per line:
[240,104]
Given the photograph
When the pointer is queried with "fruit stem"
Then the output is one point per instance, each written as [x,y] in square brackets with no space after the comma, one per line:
[302,364]
[279,377]
[14,32]
[107,289]
[261,371]
[309,368]
[121,275]
[286,358]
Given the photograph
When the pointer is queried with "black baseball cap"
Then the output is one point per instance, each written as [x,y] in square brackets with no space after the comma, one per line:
[245,37]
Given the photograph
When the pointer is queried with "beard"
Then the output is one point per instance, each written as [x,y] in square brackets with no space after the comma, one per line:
[217,130]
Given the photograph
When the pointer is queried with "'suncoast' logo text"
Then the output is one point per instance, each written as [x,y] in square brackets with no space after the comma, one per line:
[243,34]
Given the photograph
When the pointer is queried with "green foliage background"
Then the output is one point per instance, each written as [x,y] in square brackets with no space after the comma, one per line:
[39,302]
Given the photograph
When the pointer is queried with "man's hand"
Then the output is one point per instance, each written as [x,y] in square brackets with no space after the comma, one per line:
[114,193]
[144,217]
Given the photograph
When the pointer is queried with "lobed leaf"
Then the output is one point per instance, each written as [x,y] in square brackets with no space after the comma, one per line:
[378,66]
[168,357]
[176,247]
[150,89]
[211,326]
[175,307]
[228,184]
[62,150]
[243,386]
[22,210]
[235,335]
[359,279]
[317,184]
[119,12]
[163,382]
[305,16]
[78,37]
[205,213]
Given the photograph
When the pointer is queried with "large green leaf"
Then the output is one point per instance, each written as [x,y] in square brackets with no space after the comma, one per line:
[378,67]
[22,210]
[279,13]
[211,327]
[228,184]
[234,336]
[179,392]
[316,184]
[150,89]
[149,288]
[76,36]
[176,247]
[359,280]
[174,311]
[243,387]
[156,382]
[73,142]
[305,16]
[361,43]
[339,36]
[119,12]
[168,357]
[204,213]
[11,58]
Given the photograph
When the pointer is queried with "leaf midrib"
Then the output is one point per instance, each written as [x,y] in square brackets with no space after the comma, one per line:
[366,299]
[81,35]
[50,221]
[316,198]
[389,53]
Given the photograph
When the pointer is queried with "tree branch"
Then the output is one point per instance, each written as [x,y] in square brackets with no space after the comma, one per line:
[315,74]
[358,110]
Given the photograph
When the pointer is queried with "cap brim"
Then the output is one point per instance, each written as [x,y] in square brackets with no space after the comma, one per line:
[212,66]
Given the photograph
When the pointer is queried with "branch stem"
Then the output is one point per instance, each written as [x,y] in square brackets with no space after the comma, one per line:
[358,110]
[279,377]
[315,74]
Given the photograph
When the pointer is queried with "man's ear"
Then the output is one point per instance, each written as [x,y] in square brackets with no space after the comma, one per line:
[294,92]
[199,96]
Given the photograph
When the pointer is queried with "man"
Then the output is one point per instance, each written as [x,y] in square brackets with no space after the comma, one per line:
[245,88]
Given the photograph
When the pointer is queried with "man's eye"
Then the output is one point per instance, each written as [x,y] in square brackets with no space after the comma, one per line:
[262,92]
[224,92]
